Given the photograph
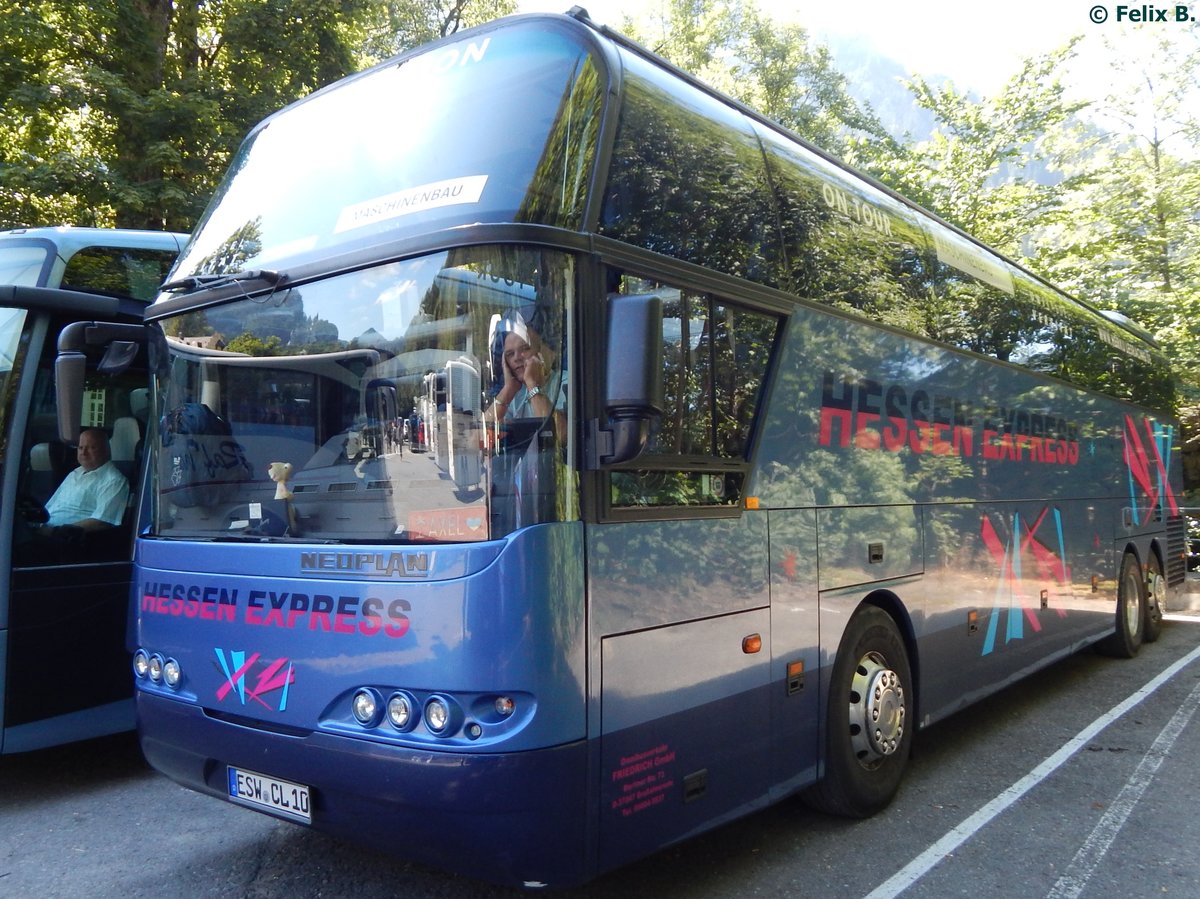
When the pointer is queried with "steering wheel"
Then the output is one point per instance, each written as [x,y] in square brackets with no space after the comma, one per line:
[31,510]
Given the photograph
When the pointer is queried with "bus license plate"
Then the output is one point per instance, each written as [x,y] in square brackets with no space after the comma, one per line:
[279,796]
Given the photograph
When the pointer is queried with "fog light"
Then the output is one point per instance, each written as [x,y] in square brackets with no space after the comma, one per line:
[399,711]
[437,715]
[156,668]
[505,706]
[172,673]
[474,731]
[141,663]
[366,707]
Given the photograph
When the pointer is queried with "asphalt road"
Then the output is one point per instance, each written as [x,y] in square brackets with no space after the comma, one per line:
[1077,782]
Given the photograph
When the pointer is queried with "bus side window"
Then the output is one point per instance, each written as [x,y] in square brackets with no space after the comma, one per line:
[119,271]
[715,359]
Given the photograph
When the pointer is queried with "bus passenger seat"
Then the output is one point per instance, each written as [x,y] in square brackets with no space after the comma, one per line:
[49,463]
[124,444]
[139,404]
[39,458]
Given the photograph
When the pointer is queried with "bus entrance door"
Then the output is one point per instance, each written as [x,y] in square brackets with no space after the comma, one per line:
[66,669]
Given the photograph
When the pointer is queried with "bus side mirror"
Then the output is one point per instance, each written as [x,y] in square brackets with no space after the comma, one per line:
[120,342]
[382,400]
[69,371]
[633,388]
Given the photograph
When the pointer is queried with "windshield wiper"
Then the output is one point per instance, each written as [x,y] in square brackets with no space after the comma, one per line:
[195,282]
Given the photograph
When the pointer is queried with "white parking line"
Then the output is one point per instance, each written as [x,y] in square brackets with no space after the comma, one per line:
[925,862]
[1091,853]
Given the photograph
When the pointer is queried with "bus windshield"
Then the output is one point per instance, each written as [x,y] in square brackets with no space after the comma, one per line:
[22,262]
[499,127]
[12,325]
[394,403]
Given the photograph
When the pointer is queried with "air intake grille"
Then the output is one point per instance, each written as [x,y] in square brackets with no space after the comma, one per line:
[1176,550]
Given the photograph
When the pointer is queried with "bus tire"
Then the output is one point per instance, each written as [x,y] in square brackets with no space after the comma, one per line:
[1126,640]
[1156,599]
[869,719]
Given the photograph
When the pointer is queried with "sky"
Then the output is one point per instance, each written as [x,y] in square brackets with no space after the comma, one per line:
[978,45]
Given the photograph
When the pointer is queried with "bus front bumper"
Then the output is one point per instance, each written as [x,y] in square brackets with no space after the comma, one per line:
[516,818]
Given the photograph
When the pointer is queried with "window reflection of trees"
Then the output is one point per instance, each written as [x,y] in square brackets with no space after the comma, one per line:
[560,183]
[801,223]
[715,360]
[689,183]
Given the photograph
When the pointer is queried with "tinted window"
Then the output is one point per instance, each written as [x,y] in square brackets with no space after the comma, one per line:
[849,245]
[715,360]
[688,179]
[380,404]
[118,271]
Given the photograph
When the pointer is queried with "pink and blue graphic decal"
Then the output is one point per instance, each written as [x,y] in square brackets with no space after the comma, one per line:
[1023,557]
[1147,450]
[268,677]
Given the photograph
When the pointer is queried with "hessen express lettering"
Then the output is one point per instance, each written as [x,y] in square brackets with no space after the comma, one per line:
[873,415]
[370,616]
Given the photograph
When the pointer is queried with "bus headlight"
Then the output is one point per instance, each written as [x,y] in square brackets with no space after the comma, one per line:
[440,716]
[141,663]
[172,673]
[155,668]
[400,711]
[365,706]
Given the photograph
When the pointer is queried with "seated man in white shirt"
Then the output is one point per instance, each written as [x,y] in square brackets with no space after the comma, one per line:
[93,496]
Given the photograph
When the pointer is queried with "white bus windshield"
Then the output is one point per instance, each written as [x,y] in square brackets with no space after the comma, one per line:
[22,263]
[377,405]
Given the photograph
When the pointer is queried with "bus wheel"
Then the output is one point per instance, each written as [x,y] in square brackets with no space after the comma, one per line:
[1126,640]
[869,719]
[1156,599]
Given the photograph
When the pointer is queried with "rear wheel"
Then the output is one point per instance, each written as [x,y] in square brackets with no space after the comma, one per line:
[1126,640]
[1156,599]
[869,720]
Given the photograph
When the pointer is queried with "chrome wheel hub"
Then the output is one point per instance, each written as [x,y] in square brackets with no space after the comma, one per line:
[1156,588]
[877,710]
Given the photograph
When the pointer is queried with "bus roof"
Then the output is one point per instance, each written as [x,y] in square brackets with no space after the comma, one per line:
[69,238]
[384,181]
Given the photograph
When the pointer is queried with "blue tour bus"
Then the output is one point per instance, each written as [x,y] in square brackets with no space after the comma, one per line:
[733,467]
[66,595]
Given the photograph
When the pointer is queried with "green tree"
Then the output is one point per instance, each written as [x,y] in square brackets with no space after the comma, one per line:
[772,68]
[1130,239]
[127,112]
[393,26]
[981,169]
[1134,243]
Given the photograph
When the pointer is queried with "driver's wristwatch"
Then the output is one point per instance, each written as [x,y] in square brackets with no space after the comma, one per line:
[534,391]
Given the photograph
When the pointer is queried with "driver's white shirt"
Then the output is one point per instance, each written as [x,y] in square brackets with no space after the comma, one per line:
[101,494]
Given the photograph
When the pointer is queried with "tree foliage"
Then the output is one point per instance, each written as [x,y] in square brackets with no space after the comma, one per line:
[1130,239]
[773,68]
[127,112]
[393,26]
[981,168]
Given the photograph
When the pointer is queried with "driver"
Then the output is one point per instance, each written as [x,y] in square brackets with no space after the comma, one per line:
[93,496]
